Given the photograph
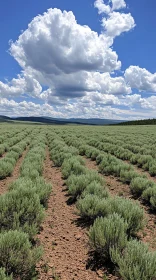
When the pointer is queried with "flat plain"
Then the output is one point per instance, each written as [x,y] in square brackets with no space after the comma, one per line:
[77,202]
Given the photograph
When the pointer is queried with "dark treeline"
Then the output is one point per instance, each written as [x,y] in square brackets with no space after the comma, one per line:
[139,122]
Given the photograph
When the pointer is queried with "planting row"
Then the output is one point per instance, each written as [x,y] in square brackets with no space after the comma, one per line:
[8,163]
[147,162]
[143,155]
[13,139]
[114,221]
[110,165]
[21,214]
[9,132]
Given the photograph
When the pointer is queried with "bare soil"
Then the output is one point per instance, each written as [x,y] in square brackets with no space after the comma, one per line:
[148,234]
[65,242]
[4,183]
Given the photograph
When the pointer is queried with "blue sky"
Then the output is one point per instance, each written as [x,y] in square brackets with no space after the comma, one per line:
[76,89]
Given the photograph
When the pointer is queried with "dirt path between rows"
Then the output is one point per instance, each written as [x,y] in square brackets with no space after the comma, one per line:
[116,187]
[4,183]
[65,243]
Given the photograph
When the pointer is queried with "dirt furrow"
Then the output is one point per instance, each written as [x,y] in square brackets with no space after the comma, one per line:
[116,187]
[65,243]
[4,183]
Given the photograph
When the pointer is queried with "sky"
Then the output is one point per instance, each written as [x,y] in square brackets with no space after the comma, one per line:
[86,58]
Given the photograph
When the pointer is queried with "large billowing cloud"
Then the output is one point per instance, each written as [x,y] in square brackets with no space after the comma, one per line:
[55,43]
[71,70]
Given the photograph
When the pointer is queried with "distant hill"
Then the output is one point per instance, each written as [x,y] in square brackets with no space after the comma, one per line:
[60,121]
[94,121]
[91,121]
[4,119]
[139,122]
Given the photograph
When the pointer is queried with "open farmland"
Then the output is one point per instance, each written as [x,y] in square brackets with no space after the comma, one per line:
[77,202]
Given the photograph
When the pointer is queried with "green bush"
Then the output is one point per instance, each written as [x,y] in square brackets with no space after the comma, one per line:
[139,184]
[91,152]
[73,165]
[6,169]
[127,176]
[132,213]
[153,199]
[77,184]
[100,158]
[59,158]
[12,155]
[152,169]
[108,233]
[135,262]
[82,149]
[21,209]
[96,189]
[148,193]
[3,275]
[17,149]
[2,149]
[91,206]
[17,256]
[39,186]
[134,158]
[144,160]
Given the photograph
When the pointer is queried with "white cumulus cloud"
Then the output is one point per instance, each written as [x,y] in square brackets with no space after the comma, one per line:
[118,4]
[71,70]
[55,43]
[140,78]
[23,84]
[118,23]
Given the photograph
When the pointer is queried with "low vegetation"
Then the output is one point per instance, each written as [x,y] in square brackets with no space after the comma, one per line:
[113,222]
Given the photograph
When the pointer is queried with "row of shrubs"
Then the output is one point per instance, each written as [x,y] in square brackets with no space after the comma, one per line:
[139,184]
[114,220]
[129,140]
[13,140]
[115,147]
[145,161]
[8,162]
[21,214]
[146,145]
[110,165]
[10,131]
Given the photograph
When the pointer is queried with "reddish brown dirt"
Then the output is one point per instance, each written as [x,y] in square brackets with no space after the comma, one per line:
[65,243]
[114,185]
[148,234]
[5,182]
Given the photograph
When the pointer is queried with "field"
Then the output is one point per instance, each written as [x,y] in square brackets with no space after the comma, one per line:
[77,202]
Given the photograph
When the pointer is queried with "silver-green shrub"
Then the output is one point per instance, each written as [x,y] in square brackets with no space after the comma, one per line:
[96,189]
[91,206]
[131,211]
[17,256]
[77,184]
[21,209]
[135,262]
[108,233]
[139,184]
